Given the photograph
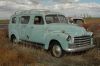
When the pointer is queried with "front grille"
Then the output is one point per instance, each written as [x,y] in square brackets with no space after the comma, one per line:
[82,41]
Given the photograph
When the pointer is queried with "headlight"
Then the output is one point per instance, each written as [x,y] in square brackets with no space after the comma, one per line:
[68,38]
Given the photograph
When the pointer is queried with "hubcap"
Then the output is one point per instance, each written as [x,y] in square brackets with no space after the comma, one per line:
[57,50]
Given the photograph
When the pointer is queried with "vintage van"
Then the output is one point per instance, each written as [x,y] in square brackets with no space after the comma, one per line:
[50,29]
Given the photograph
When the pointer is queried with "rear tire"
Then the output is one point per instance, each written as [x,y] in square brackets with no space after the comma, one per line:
[13,39]
[56,50]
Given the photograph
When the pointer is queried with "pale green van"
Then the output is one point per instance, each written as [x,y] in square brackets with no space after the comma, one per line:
[51,29]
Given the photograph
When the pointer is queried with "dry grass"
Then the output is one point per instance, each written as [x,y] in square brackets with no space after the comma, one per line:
[92,20]
[4,21]
[16,55]
[93,24]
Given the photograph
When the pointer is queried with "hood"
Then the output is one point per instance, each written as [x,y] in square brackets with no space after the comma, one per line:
[71,29]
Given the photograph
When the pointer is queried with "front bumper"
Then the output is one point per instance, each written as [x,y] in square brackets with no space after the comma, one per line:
[79,49]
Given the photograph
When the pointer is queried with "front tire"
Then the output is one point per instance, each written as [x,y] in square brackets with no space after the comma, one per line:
[56,50]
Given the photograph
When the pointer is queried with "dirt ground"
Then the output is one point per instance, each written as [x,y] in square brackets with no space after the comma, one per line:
[18,55]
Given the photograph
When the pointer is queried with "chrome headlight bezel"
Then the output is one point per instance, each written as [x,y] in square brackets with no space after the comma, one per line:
[68,38]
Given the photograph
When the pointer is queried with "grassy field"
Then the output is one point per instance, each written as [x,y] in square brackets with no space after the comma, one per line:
[18,55]
[92,20]
[93,24]
[4,21]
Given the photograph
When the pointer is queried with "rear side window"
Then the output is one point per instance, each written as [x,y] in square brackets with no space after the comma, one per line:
[25,19]
[38,20]
[14,20]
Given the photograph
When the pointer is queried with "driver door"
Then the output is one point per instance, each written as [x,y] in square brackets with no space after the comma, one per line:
[38,29]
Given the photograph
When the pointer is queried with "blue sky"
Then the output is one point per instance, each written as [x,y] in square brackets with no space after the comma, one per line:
[50,2]
[81,1]
[90,1]
[68,7]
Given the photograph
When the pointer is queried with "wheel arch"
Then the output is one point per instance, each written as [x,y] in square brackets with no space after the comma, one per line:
[14,35]
[51,43]
[58,37]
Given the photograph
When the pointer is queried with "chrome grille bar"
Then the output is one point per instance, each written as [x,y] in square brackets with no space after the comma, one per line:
[82,40]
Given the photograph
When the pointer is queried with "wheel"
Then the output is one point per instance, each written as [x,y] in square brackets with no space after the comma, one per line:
[14,40]
[56,50]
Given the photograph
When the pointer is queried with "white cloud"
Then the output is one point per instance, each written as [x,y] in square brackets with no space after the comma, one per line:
[69,7]
[78,9]
[65,1]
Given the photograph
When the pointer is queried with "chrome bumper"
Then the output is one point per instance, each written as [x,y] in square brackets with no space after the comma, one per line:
[79,49]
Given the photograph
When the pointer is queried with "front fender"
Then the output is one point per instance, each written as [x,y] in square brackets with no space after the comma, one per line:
[60,37]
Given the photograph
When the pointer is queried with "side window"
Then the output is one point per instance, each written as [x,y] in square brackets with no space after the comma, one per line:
[25,19]
[14,20]
[38,20]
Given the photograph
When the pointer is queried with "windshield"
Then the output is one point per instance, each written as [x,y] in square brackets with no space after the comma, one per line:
[55,19]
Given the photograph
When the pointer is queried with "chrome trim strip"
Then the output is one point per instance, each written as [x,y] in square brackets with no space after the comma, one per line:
[79,49]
